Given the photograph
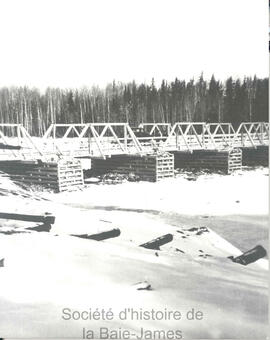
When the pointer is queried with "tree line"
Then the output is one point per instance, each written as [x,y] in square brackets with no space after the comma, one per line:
[233,100]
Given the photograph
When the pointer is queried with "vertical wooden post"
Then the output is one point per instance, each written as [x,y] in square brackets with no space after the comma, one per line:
[168,129]
[261,132]
[89,142]
[125,137]
[156,174]
[59,182]
[203,139]
[19,135]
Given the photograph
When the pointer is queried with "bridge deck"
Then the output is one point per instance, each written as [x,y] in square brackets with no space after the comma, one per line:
[105,140]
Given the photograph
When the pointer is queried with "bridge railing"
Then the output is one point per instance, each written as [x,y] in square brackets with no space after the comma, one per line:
[17,144]
[106,139]
[191,136]
[156,129]
[252,134]
[93,139]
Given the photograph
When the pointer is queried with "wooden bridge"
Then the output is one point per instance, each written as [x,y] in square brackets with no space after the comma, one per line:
[102,140]
[214,136]
[150,151]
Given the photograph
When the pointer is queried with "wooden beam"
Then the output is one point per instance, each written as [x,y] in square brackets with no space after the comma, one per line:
[250,256]
[46,218]
[96,138]
[104,235]
[158,242]
[67,132]
[116,138]
[26,134]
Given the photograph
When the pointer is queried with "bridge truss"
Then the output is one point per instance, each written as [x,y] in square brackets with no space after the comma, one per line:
[102,140]
[99,140]
[17,144]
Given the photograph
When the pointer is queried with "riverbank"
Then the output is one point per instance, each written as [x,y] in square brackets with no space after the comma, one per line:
[210,218]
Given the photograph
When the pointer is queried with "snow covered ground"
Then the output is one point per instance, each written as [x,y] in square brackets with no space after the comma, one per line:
[45,272]
[239,193]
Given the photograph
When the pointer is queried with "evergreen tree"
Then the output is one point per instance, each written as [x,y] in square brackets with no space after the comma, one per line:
[212,107]
[235,101]
[229,101]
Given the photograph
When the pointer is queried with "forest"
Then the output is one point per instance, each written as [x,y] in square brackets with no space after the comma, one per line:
[234,101]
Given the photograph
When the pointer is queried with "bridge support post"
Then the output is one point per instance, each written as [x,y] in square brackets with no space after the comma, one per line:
[58,176]
[227,160]
[148,168]
[256,156]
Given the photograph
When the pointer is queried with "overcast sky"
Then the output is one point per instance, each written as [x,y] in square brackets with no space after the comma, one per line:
[72,43]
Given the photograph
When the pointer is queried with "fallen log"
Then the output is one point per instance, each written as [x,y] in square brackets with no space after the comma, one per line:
[158,242]
[101,236]
[41,227]
[145,285]
[46,218]
[250,256]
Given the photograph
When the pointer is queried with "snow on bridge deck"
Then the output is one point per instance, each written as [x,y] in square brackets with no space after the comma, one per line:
[103,140]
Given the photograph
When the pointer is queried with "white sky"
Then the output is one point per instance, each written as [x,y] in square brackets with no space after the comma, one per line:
[72,43]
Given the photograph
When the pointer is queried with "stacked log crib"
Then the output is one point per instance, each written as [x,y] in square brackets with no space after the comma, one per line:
[149,168]
[226,161]
[256,156]
[59,176]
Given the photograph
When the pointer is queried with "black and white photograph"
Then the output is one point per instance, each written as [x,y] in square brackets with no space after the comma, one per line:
[134,169]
